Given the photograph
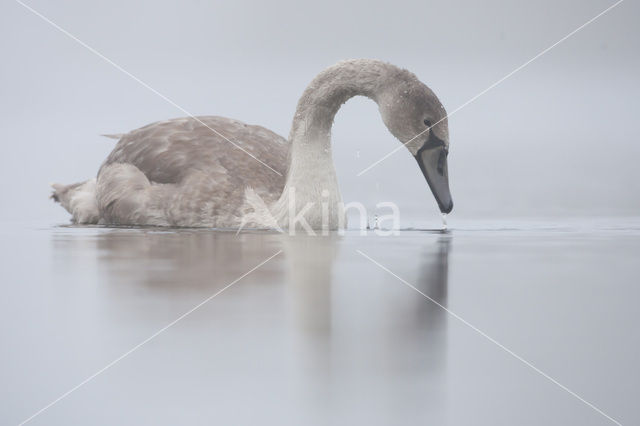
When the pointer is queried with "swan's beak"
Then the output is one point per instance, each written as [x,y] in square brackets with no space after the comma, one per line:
[432,158]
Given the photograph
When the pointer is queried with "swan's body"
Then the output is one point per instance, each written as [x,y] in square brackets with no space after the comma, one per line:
[200,172]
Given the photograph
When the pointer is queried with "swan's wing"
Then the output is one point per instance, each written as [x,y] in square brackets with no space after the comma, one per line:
[168,151]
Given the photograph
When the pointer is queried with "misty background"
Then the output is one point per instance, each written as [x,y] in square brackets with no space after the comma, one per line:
[557,139]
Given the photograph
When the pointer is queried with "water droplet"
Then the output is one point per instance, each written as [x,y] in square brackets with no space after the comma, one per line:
[444,221]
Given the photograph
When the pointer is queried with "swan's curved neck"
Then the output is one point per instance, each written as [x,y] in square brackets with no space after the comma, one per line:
[325,95]
[311,172]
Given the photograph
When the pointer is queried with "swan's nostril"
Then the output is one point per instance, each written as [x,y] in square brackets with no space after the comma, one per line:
[441,162]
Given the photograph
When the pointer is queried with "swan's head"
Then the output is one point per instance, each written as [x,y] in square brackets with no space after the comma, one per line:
[414,115]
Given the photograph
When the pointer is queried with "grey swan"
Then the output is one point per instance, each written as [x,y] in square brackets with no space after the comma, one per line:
[205,171]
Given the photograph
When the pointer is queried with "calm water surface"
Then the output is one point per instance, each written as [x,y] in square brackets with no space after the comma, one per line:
[319,334]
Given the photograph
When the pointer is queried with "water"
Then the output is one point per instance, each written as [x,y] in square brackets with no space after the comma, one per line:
[320,334]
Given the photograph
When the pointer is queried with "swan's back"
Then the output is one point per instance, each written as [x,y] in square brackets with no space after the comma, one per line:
[167,151]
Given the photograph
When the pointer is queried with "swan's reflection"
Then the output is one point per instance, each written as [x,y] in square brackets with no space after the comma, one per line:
[185,261]
[432,279]
[309,290]
[338,336]
[358,329]
[174,261]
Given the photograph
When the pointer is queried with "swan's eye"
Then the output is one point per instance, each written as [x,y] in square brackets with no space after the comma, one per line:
[427,123]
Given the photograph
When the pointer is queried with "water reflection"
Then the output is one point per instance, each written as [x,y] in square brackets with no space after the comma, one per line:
[319,334]
[337,337]
[310,281]
[345,342]
[433,280]
[408,348]
[174,261]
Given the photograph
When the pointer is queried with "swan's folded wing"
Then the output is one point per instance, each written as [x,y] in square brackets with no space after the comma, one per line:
[168,151]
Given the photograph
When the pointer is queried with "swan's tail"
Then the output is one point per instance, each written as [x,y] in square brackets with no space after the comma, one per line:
[114,135]
[79,199]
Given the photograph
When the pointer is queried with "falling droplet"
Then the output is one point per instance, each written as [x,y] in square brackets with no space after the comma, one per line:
[444,221]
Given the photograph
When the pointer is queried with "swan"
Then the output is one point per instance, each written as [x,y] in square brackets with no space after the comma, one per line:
[218,172]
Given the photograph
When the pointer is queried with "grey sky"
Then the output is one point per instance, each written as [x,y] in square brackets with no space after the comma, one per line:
[558,138]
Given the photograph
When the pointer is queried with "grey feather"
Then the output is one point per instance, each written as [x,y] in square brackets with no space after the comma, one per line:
[179,173]
[114,135]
